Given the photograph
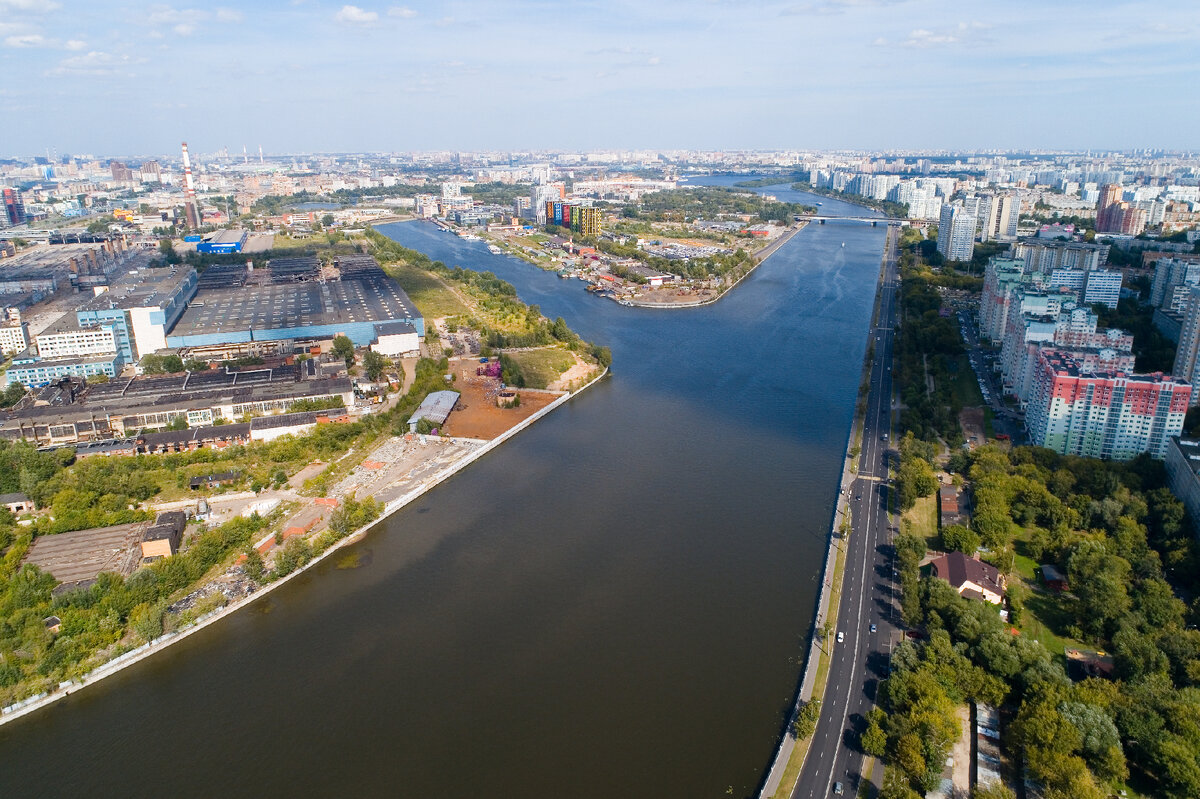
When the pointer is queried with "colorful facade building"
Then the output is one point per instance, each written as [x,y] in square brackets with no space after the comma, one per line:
[583,219]
[1110,415]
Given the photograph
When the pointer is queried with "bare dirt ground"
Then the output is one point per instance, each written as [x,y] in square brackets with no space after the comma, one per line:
[578,372]
[671,295]
[476,415]
[971,420]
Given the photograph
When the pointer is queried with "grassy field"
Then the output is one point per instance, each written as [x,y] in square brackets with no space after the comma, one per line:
[965,386]
[432,297]
[541,367]
[922,520]
[1046,615]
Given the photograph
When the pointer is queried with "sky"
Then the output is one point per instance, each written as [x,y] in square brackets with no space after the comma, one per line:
[130,78]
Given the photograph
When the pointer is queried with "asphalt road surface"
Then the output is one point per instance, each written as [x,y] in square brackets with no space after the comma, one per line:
[869,594]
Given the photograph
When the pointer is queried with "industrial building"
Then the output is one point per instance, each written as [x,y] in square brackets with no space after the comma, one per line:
[120,408]
[435,407]
[223,241]
[141,308]
[395,339]
[294,298]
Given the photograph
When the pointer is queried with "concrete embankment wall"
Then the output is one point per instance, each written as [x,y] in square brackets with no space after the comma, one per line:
[39,701]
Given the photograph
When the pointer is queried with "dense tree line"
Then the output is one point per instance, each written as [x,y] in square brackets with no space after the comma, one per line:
[710,202]
[1123,541]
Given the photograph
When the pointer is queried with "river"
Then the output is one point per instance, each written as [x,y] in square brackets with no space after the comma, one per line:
[614,603]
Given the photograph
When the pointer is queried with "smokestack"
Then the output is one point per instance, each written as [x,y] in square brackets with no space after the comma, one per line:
[260,158]
[245,157]
[189,191]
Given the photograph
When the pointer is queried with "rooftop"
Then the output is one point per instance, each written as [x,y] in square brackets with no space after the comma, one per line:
[363,293]
[141,288]
[436,407]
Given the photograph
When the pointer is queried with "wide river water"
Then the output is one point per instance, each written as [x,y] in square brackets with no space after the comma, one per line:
[613,604]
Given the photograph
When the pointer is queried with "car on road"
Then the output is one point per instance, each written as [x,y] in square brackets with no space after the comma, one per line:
[872,628]
[841,636]
[837,788]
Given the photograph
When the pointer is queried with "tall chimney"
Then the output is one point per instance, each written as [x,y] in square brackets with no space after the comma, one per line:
[189,192]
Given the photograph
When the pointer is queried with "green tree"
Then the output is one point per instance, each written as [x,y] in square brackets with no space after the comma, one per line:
[327,220]
[915,479]
[874,739]
[956,538]
[373,365]
[344,347]
[805,722]
[254,564]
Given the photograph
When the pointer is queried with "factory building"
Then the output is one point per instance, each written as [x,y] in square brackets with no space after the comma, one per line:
[295,299]
[141,308]
[33,372]
[224,241]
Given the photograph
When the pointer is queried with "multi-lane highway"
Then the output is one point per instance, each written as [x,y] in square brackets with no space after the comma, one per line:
[868,612]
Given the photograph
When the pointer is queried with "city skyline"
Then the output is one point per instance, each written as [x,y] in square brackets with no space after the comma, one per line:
[328,77]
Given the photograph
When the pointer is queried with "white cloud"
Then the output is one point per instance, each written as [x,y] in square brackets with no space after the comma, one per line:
[923,37]
[879,42]
[28,40]
[353,15]
[404,12]
[444,22]
[75,44]
[654,61]
[927,38]
[40,6]
[185,29]
[94,62]
[229,15]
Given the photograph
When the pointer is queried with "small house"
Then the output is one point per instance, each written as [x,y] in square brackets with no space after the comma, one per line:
[53,624]
[1054,578]
[17,503]
[161,539]
[212,480]
[970,577]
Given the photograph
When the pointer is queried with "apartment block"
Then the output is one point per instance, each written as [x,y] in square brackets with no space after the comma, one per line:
[1110,415]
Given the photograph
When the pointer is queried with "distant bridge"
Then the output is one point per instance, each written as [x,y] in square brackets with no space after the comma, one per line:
[874,221]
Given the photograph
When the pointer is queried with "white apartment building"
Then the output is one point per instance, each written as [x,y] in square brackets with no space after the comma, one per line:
[1102,286]
[14,337]
[956,233]
[75,342]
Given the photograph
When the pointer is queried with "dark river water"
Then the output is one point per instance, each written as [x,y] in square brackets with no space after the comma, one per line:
[613,604]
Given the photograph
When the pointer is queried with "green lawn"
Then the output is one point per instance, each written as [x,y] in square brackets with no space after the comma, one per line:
[432,297]
[922,520]
[541,367]
[1046,620]
[964,387]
